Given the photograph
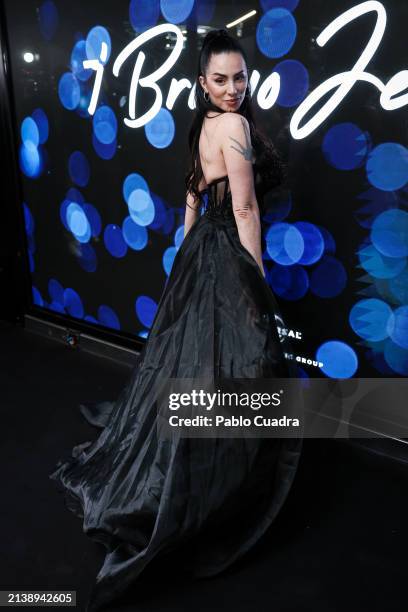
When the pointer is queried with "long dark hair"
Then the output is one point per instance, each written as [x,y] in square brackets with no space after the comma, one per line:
[270,166]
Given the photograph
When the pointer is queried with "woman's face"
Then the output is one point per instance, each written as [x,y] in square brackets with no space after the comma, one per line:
[226,80]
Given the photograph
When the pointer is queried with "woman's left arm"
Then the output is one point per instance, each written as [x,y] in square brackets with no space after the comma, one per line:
[192,212]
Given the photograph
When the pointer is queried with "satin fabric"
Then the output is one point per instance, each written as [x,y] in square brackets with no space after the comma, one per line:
[141,495]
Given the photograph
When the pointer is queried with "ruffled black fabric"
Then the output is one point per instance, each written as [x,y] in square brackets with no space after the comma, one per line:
[141,495]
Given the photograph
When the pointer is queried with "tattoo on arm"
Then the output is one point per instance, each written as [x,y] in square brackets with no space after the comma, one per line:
[243,210]
[247,150]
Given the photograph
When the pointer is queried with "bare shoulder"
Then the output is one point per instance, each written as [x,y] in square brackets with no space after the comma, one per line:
[234,134]
[233,121]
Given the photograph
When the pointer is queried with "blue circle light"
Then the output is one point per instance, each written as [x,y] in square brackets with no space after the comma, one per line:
[56,291]
[389,233]
[131,183]
[78,223]
[203,13]
[105,125]
[73,303]
[48,17]
[398,327]
[93,43]
[30,160]
[396,357]
[289,282]
[41,121]
[30,132]
[160,216]
[168,259]
[146,310]
[379,265]
[69,91]
[105,151]
[371,319]
[78,56]
[328,278]
[37,297]
[345,146]
[176,12]
[338,358]
[290,5]
[114,241]
[284,243]
[313,243]
[141,207]
[135,235]
[63,213]
[94,219]
[161,129]
[294,83]
[108,317]
[387,166]
[144,14]
[276,32]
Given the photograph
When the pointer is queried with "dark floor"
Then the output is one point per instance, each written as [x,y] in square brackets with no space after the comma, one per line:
[340,542]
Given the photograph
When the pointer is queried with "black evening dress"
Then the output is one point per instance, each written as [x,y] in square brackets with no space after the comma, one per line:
[140,495]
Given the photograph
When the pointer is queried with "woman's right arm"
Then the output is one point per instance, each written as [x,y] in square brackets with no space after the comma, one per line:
[238,155]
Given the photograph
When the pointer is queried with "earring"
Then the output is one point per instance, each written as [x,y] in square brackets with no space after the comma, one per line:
[208,96]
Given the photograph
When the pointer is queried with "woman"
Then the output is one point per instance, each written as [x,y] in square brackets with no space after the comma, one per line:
[142,494]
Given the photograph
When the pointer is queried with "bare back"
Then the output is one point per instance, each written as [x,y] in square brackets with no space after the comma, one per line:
[212,149]
[212,159]
[225,150]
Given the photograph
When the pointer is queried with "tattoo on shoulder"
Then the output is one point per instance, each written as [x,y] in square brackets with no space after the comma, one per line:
[246,150]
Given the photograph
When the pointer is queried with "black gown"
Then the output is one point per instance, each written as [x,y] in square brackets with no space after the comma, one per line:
[140,495]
